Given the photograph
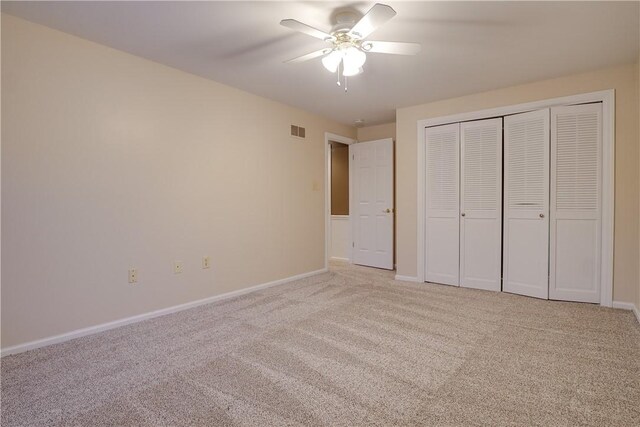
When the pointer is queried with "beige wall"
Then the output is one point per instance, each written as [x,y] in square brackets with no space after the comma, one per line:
[339,179]
[371,133]
[110,161]
[623,79]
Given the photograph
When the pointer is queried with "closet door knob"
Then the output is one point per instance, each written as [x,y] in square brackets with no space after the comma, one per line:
[462,214]
[541,215]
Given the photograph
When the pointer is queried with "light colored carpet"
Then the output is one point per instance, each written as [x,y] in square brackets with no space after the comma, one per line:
[350,347]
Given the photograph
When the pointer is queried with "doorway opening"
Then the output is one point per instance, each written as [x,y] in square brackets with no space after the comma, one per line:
[339,203]
[337,198]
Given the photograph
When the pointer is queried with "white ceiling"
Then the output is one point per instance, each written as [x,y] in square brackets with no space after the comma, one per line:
[467,47]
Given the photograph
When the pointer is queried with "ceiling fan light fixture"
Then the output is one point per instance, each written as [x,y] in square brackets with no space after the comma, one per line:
[332,61]
[349,47]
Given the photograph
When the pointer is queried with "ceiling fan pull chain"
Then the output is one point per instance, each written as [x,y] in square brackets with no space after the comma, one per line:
[341,67]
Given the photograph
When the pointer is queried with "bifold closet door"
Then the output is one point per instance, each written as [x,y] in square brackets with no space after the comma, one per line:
[442,205]
[576,165]
[481,204]
[526,204]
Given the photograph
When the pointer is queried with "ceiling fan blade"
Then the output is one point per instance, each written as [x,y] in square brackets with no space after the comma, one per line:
[309,56]
[375,17]
[306,29]
[396,48]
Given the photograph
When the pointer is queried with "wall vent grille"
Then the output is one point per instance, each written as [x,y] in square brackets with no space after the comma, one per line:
[298,131]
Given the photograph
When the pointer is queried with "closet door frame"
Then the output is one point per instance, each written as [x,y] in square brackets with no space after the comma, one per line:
[607,98]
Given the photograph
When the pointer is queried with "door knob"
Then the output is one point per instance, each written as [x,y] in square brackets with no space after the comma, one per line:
[387,210]
[541,215]
[462,214]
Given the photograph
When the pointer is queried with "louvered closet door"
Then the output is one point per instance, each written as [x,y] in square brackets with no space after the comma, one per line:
[481,204]
[576,165]
[442,222]
[526,204]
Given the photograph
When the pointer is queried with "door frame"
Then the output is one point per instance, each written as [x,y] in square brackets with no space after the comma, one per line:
[607,97]
[328,137]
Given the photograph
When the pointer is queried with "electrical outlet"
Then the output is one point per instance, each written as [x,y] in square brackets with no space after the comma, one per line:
[133,275]
[178,267]
[206,262]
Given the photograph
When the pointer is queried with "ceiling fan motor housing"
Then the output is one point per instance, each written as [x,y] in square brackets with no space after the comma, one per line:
[345,20]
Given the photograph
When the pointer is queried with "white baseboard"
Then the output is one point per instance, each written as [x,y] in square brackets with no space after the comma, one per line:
[627,306]
[335,258]
[145,316]
[406,278]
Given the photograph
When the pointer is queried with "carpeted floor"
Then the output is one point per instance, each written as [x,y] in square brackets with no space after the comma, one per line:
[350,347]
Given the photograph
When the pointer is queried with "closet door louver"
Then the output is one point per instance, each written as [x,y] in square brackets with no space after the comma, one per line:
[442,204]
[576,165]
[481,204]
[525,256]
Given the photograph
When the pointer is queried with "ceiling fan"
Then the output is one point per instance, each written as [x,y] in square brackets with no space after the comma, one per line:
[348,51]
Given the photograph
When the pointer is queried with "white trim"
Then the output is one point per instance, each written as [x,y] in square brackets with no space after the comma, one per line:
[608,197]
[335,258]
[627,306]
[150,315]
[600,96]
[406,278]
[421,201]
[328,136]
[607,97]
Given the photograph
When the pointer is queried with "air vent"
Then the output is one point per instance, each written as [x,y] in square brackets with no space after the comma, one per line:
[298,131]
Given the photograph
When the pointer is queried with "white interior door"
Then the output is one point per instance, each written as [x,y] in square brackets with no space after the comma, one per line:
[576,165]
[442,205]
[373,209]
[481,204]
[526,204]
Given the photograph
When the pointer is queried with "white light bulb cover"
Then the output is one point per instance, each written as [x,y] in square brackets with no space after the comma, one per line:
[349,72]
[354,58]
[332,61]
